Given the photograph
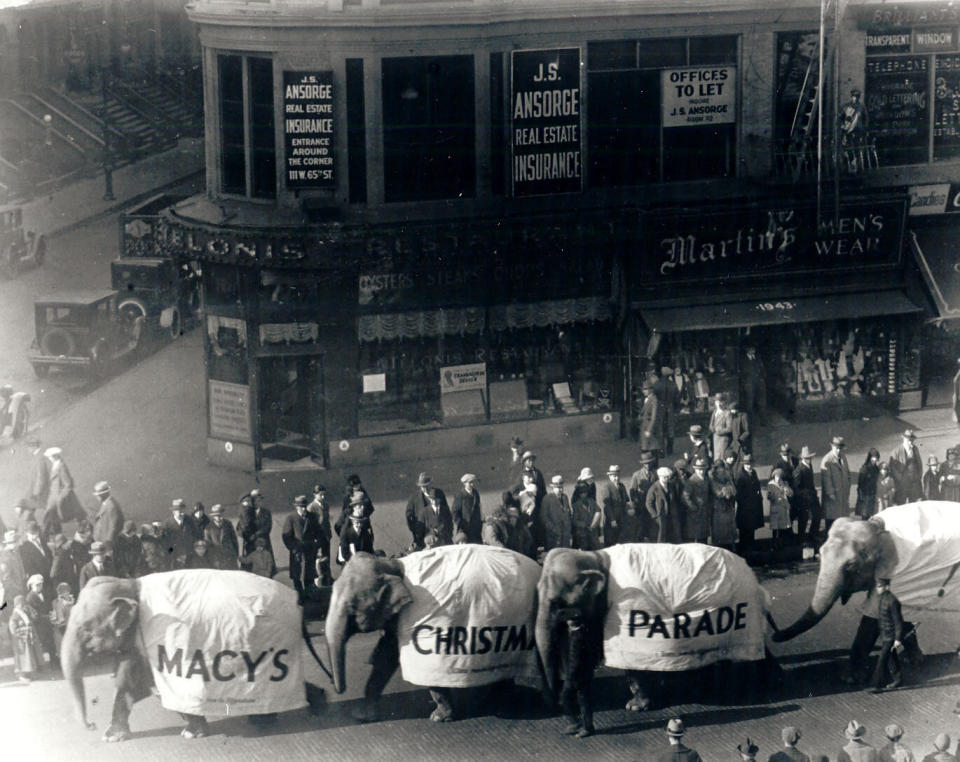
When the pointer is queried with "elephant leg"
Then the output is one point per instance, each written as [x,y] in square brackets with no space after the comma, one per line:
[568,704]
[867,632]
[384,661]
[586,711]
[133,681]
[444,710]
[639,699]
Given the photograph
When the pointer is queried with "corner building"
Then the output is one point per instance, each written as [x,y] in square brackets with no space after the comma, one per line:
[429,226]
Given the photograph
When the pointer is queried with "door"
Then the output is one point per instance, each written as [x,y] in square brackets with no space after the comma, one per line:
[291,408]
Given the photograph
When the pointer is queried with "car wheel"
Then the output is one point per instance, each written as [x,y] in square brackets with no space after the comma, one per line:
[58,342]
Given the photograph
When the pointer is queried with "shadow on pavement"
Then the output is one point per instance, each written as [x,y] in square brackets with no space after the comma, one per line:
[704,717]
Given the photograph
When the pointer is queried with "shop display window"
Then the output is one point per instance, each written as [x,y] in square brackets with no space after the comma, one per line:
[492,376]
[226,349]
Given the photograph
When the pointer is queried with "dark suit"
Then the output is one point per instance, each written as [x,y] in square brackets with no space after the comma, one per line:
[742,440]
[557,522]
[612,499]
[651,425]
[890,622]
[345,509]
[36,560]
[254,524]
[693,450]
[421,518]
[679,753]
[89,571]
[223,544]
[669,398]
[109,522]
[806,500]
[178,539]
[907,471]
[467,516]
[664,519]
[300,536]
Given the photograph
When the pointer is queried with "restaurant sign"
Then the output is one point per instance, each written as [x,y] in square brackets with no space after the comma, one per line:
[545,128]
[308,128]
[761,240]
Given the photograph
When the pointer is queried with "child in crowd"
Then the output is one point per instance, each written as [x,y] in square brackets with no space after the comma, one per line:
[779,494]
[259,560]
[27,658]
[886,488]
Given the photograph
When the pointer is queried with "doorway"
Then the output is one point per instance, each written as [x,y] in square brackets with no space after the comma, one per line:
[291,410]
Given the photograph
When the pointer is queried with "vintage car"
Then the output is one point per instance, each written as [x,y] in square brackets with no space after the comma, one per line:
[19,249]
[83,330]
[155,289]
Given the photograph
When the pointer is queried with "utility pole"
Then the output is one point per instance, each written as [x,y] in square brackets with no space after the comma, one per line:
[107,157]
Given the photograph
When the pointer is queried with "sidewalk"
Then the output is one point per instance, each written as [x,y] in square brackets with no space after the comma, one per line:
[67,207]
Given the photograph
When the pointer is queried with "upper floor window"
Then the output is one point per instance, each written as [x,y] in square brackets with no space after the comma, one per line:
[428,128]
[661,110]
[248,159]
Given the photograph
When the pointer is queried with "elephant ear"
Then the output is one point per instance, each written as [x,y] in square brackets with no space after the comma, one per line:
[122,615]
[393,594]
[592,582]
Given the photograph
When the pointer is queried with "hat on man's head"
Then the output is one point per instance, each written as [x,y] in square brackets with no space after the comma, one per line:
[98,548]
[675,727]
[179,503]
[300,500]
[748,747]
[353,479]
[216,509]
[424,479]
[467,478]
[666,370]
[837,442]
[34,579]
[854,730]
[53,452]
[647,457]
[101,488]
[893,731]
[909,434]
[318,488]
[932,461]
[785,447]
[941,742]
[664,471]
[696,430]
[746,458]
[700,462]
[790,735]
[556,481]
[614,469]
[585,473]
[806,452]
[528,454]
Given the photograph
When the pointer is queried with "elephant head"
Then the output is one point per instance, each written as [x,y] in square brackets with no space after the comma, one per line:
[571,579]
[855,553]
[368,595]
[102,621]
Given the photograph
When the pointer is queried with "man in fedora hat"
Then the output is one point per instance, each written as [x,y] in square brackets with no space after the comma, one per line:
[890,621]
[664,517]
[805,497]
[642,479]
[677,752]
[857,749]
[467,514]
[748,751]
[321,509]
[557,517]
[941,744]
[256,520]
[895,751]
[127,551]
[835,482]
[62,497]
[696,446]
[528,469]
[650,420]
[789,753]
[612,498]
[427,510]
[720,424]
[669,398]
[301,533]
[906,468]
[109,519]
[98,565]
[749,515]
[698,507]
[354,484]
[221,538]
[180,531]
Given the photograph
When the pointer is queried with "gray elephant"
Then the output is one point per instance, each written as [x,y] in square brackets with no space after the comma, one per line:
[455,616]
[237,653]
[650,608]
[916,546]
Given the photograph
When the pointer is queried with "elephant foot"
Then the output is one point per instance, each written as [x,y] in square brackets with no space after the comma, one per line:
[572,729]
[638,704]
[368,711]
[189,733]
[115,735]
[441,714]
[585,732]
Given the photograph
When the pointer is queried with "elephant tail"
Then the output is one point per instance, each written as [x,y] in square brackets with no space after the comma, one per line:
[308,639]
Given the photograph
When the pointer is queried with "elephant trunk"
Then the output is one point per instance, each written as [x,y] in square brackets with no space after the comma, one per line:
[71,662]
[336,630]
[829,588]
[545,640]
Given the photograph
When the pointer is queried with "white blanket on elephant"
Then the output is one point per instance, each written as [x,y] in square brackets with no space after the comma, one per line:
[222,642]
[675,607]
[471,621]
[927,538]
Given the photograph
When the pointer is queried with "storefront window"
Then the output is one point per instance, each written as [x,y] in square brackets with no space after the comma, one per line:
[248,163]
[428,128]
[640,130]
[491,376]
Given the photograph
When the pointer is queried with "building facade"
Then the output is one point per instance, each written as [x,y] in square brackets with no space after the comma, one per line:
[430,226]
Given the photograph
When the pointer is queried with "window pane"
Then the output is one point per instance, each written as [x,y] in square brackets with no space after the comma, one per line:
[663,53]
[428,119]
[234,170]
[356,133]
[691,153]
[232,160]
[946,115]
[618,54]
[623,131]
[262,136]
[713,50]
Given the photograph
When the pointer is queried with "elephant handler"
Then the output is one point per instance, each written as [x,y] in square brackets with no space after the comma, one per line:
[868,631]
[891,633]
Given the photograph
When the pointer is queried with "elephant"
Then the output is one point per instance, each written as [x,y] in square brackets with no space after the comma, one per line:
[454,616]
[632,599]
[916,546]
[121,618]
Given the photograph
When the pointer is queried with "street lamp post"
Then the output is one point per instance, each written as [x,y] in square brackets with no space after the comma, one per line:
[107,158]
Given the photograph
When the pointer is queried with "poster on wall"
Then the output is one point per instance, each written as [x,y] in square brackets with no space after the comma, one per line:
[459,378]
[308,128]
[699,96]
[896,100]
[230,411]
[545,129]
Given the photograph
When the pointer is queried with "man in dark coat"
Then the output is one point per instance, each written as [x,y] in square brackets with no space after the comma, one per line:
[221,539]
[427,510]
[651,421]
[40,600]
[98,566]
[79,547]
[256,522]
[354,484]
[179,533]
[741,438]
[36,557]
[787,462]
[557,517]
[641,480]
[109,519]
[612,498]
[695,447]
[127,550]
[669,398]
[664,514]
[906,468]
[749,503]
[300,534]
[891,637]
[155,557]
[320,508]
[805,497]
[677,752]
[529,471]
[753,384]
[467,516]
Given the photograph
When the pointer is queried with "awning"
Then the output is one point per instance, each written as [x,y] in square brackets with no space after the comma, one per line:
[938,257]
[807,309]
